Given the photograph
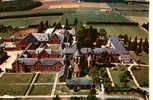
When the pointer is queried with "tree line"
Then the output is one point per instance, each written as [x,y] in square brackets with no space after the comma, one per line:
[18,5]
[138,46]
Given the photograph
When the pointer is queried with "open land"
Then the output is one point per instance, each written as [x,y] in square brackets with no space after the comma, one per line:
[142,75]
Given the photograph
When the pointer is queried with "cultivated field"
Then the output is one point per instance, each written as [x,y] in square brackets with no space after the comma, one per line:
[22,22]
[131,30]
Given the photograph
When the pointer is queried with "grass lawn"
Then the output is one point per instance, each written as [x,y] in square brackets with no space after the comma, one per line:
[115,73]
[41,90]
[131,30]
[143,57]
[13,89]
[141,75]
[16,78]
[64,90]
[46,78]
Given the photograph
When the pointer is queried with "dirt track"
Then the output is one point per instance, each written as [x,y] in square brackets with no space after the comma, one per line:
[51,4]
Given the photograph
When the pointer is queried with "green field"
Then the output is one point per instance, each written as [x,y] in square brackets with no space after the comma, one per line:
[41,90]
[116,29]
[16,78]
[125,6]
[142,76]
[13,89]
[142,58]
[93,15]
[134,13]
[46,78]
[83,14]
[19,22]
[116,78]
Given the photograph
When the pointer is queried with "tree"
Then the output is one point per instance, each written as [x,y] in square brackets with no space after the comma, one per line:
[103,32]
[3,56]
[41,27]
[129,44]
[56,98]
[146,46]
[58,26]
[75,22]
[92,91]
[125,39]
[67,27]
[91,98]
[93,73]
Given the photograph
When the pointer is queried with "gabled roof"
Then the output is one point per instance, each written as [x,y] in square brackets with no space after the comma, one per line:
[40,37]
[44,61]
[79,82]
[77,53]
[86,50]
[68,50]
[117,44]
[27,61]
[50,61]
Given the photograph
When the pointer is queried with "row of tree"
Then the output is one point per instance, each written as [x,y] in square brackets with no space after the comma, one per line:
[136,45]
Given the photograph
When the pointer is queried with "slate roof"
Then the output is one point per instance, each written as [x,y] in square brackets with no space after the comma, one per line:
[77,53]
[117,44]
[44,61]
[86,50]
[40,37]
[79,82]
[68,50]
[38,51]
[50,61]
[27,61]
[108,50]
